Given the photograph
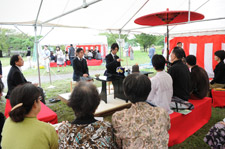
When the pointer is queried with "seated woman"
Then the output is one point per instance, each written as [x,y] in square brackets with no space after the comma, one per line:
[85,131]
[80,67]
[219,72]
[142,125]
[22,129]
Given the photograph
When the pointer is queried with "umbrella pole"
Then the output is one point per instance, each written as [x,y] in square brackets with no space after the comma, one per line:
[167,40]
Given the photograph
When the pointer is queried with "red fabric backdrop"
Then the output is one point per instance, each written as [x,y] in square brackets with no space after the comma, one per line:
[217,41]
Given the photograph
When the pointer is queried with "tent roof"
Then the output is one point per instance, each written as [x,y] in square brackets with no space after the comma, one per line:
[113,15]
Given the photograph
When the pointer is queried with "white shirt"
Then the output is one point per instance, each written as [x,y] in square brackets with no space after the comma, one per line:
[46,53]
[162,90]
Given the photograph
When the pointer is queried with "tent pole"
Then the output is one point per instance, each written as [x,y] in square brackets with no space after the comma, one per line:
[85,5]
[46,34]
[120,43]
[134,14]
[36,44]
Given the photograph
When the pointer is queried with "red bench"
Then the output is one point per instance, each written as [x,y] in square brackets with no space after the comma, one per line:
[53,64]
[94,62]
[183,126]
[218,98]
[45,115]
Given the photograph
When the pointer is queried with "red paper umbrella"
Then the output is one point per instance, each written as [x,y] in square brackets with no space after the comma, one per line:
[167,18]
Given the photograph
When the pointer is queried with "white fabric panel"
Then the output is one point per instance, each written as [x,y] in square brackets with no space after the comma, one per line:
[223,46]
[193,49]
[208,59]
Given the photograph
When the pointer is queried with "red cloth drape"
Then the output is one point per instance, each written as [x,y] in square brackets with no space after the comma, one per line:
[183,126]
[45,115]
[218,98]
[216,40]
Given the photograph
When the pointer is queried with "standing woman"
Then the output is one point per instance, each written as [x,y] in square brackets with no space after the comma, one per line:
[219,72]
[22,129]
[60,58]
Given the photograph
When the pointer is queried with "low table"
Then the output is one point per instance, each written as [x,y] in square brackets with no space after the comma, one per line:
[103,108]
[117,85]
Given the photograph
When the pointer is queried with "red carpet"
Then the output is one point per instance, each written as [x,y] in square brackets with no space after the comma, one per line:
[45,115]
[183,126]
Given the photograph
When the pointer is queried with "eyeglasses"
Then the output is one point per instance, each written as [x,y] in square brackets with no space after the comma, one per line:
[40,98]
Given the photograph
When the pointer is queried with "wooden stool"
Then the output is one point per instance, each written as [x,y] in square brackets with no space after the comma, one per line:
[72,83]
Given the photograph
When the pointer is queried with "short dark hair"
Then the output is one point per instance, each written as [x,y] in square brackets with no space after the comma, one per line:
[220,54]
[45,46]
[114,46]
[179,43]
[14,59]
[1,86]
[57,47]
[71,45]
[84,99]
[179,52]
[191,60]
[78,50]
[26,94]
[136,87]
[158,61]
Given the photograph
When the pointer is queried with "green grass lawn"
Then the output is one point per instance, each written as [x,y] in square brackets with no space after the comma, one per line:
[66,113]
[5,61]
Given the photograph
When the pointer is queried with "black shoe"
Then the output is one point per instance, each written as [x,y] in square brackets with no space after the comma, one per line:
[54,100]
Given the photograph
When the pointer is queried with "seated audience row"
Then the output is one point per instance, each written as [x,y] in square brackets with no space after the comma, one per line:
[219,71]
[141,126]
[199,79]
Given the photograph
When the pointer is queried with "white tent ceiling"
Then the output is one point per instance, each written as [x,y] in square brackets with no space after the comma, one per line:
[111,15]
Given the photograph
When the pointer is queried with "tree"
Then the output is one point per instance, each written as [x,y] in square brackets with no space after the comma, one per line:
[4,46]
[10,40]
[145,40]
[111,38]
[159,40]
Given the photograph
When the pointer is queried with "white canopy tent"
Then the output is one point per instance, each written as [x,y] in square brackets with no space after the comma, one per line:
[106,15]
[114,15]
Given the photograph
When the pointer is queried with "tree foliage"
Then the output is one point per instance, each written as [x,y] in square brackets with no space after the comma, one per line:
[145,40]
[111,38]
[10,40]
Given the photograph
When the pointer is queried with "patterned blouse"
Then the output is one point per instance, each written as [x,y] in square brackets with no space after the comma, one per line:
[141,126]
[94,135]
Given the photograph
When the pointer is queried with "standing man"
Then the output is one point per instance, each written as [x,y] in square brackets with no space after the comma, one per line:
[112,62]
[71,54]
[180,75]
[151,53]
[46,56]
[28,55]
[180,45]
